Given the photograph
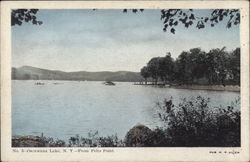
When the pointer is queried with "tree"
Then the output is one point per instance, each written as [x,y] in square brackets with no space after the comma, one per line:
[18,16]
[183,71]
[196,66]
[153,68]
[145,73]
[234,66]
[166,68]
[197,63]
[216,61]
[173,17]
[187,17]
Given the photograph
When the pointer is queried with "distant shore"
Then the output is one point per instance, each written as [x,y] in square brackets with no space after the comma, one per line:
[234,88]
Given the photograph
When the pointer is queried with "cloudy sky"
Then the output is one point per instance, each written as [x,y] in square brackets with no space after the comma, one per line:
[108,40]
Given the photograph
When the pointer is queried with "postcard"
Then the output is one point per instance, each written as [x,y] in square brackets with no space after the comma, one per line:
[125,81]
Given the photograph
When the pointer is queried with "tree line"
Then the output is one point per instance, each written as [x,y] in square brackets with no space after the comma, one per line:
[195,67]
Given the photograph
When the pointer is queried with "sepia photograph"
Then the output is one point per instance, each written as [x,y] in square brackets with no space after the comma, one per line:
[142,77]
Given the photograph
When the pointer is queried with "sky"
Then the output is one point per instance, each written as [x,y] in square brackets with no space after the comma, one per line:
[109,40]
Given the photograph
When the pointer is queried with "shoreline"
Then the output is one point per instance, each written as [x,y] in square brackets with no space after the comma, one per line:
[231,88]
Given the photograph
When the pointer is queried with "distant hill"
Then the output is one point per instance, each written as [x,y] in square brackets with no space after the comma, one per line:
[33,73]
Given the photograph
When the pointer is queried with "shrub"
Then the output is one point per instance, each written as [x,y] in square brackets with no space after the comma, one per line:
[94,140]
[194,123]
[139,136]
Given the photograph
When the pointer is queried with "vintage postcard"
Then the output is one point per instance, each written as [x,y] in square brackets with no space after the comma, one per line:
[125,81]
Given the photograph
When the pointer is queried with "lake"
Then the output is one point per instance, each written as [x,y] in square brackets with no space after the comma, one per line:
[71,107]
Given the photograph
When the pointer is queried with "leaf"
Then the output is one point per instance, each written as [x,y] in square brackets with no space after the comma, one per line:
[134,10]
[221,18]
[172,30]
[191,17]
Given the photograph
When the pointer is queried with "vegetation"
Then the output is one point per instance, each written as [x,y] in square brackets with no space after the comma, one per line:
[196,66]
[94,140]
[173,17]
[35,141]
[194,123]
[191,123]
[18,16]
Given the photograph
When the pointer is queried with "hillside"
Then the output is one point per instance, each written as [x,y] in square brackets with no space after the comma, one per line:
[33,73]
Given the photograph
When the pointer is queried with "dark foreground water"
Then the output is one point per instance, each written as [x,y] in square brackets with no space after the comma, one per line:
[71,107]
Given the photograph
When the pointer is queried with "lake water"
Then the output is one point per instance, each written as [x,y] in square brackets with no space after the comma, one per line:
[71,107]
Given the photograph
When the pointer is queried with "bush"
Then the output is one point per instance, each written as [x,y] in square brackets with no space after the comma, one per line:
[195,124]
[94,140]
[139,136]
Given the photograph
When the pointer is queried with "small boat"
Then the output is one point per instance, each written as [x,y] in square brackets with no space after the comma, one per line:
[39,83]
[57,83]
[109,83]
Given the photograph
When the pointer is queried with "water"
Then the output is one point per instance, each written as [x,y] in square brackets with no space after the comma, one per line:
[71,107]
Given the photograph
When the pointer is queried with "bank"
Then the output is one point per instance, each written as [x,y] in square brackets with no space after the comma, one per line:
[234,88]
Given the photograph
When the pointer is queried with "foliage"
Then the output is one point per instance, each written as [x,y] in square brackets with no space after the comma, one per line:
[159,68]
[94,140]
[193,123]
[187,17]
[173,17]
[215,67]
[18,16]
[234,65]
[138,136]
[145,73]
[53,143]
